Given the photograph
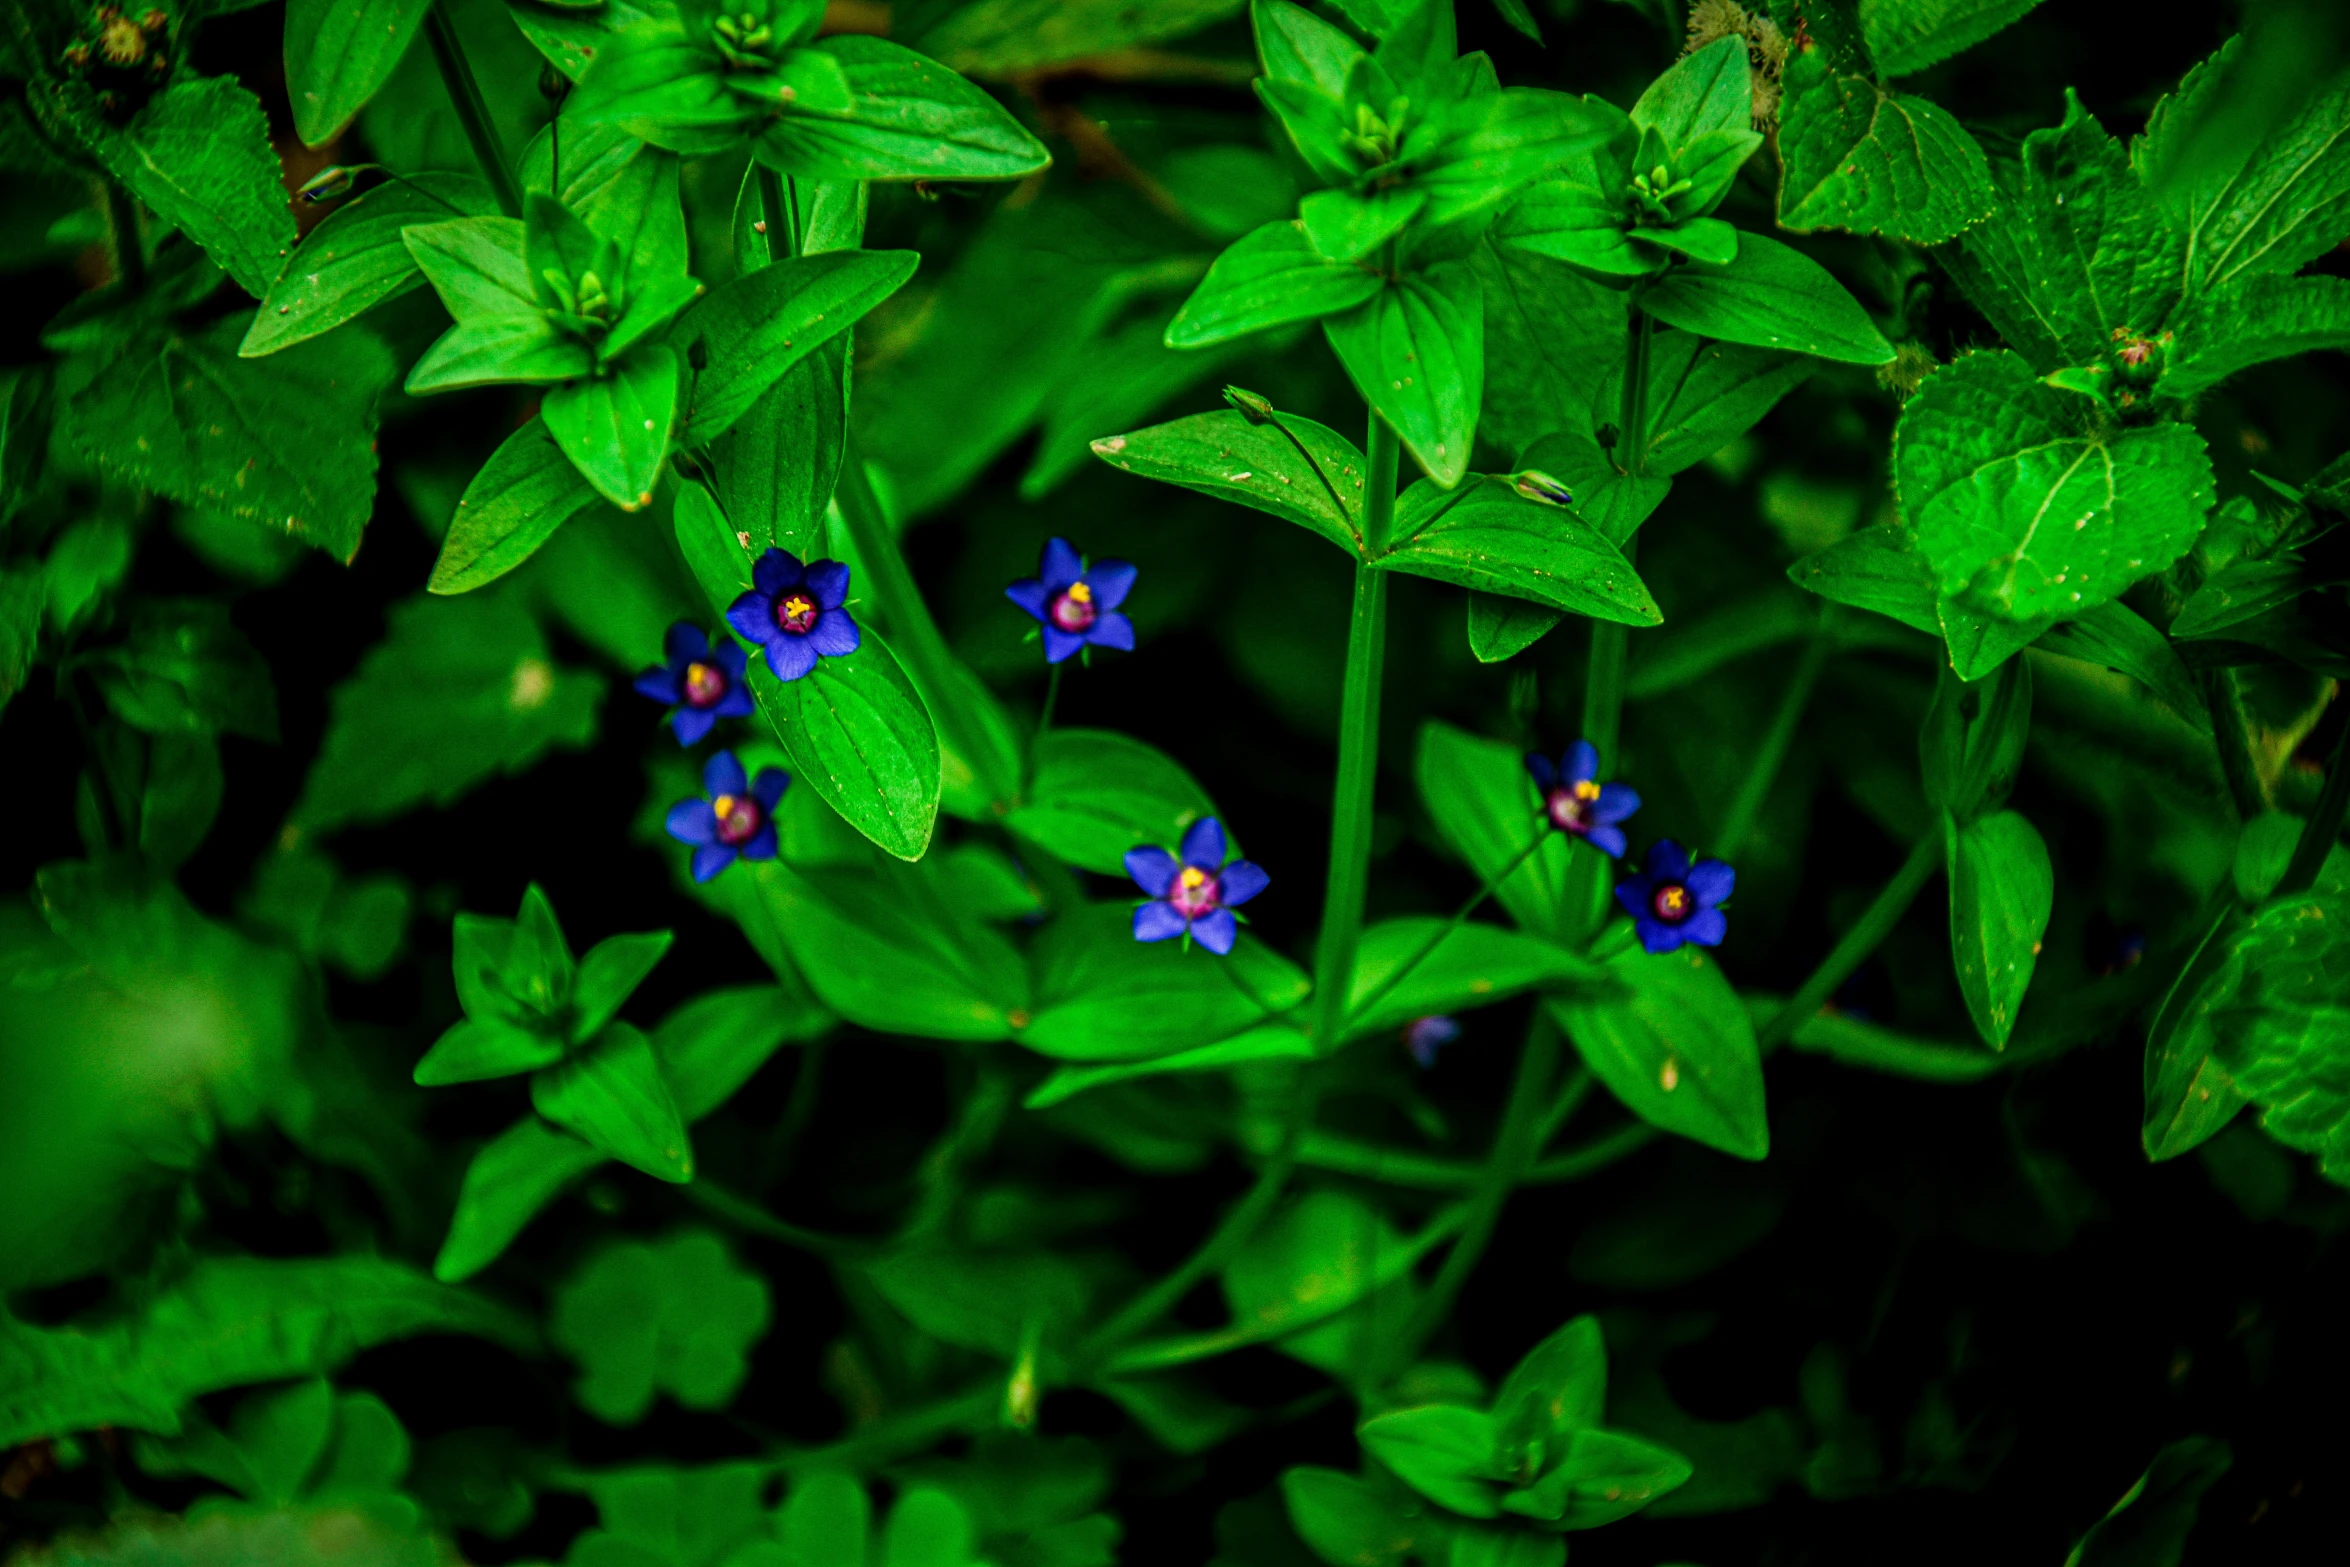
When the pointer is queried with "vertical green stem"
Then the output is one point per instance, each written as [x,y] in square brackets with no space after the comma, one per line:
[1875,924]
[122,231]
[1515,1146]
[2230,733]
[2324,825]
[1428,948]
[782,245]
[1763,771]
[1358,755]
[473,110]
[915,635]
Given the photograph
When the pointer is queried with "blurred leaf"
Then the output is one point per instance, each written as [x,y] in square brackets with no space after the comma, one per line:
[1473,966]
[699,1517]
[461,690]
[825,1521]
[1267,1042]
[1096,793]
[186,669]
[1446,1453]
[1676,1047]
[1102,995]
[318,1535]
[2118,637]
[1332,1262]
[614,1097]
[677,1316]
[1605,1475]
[2148,1527]
[1346,1521]
[1557,1388]
[1007,37]
[987,1301]
[516,1174]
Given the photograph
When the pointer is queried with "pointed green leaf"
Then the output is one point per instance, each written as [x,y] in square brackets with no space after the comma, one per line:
[1705,91]
[1223,455]
[615,427]
[519,350]
[1674,1044]
[338,53]
[1096,793]
[1103,996]
[1772,297]
[1443,1451]
[1478,794]
[1605,1475]
[1489,537]
[613,1096]
[475,265]
[757,327]
[524,493]
[1473,966]
[477,1050]
[911,119]
[1909,35]
[516,1174]
[1268,277]
[356,258]
[1558,1389]
[1416,352]
[609,975]
[2001,889]
[860,737]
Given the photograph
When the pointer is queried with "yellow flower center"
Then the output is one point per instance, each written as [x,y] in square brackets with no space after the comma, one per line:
[724,806]
[1588,789]
[1673,902]
[1082,592]
[1192,877]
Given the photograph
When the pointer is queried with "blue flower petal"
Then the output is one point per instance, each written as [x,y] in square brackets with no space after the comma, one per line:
[1157,921]
[834,635]
[1111,581]
[692,821]
[1060,565]
[1216,930]
[1666,861]
[768,787]
[1112,630]
[1029,594]
[1152,868]
[829,581]
[762,844]
[790,657]
[1543,771]
[692,723]
[777,570]
[728,655]
[1241,881]
[723,774]
[1711,882]
[661,685]
[1616,802]
[1607,840]
[752,614]
[1581,762]
[1059,644]
[1705,928]
[1660,938]
[1203,845]
[684,642]
[1633,893]
[737,702]
[710,859]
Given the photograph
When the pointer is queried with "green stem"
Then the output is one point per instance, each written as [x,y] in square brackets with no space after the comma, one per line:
[1875,924]
[1763,771]
[975,1128]
[1427,948]
[1345,512]
[1226,1239]
[2230,734]
[775,1157]
[781,246]
[473,110]
[897,1436]
[1514,1149]
[1358,756]
[1569,1099]
[2324,826]
[1594,1156]
[913,633]
[748,1217]
[122,230]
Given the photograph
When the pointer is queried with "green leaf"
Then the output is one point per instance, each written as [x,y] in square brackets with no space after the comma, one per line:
[1416,351]
[612,1095]
[1338,224]
[478,1049]
[911,119]
[759,326]
[981,1300]
[1606,1475]
[2254,321]
[778,464]
[677,1316]
[616,427]
[2075,252]
[338,53]
[1329,1276]
[2027,503]
[1223,455]
[710,1046]
[609,975]
[228,1322]
[524,493]
[1266,278]
[2191,1093]
[514,1177]
[1489,537]
[1268,1042]
[1772,297]
[1348,1522]
[1614,502]
[999,38]
[462,690]
[2148,1527]
[1298,46]
[621,188]
[1496,143]
[1580,221]
[1504,1547]
[1704,91]
[355,259]
[653,82]
[1502,627]
[289,445]
[880,947]
[1474,966]
[2270,203]
[1701,397]
[2118,637]
[475,265]
[1103,996]
[1856,155]
[860,737]
[1563,332]
[2243,589]
[1096,793]
[1478,794]
[517,350]
[1558,1389]
[824,1521]
[199,157]
[2001,889]
[1676,1047]
[1909,35]
[186,669]
[1446,1453]
[928,1528]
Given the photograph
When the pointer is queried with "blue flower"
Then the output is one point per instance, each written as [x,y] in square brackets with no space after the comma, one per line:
[703,683]
[794,612]
[1076,606]
[1193,897]
[1577,802]
[1424,1036]
[1672,901]
[738,818]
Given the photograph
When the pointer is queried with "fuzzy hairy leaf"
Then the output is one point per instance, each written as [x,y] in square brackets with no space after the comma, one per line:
[1909,35]
[199,155]
[1854,154]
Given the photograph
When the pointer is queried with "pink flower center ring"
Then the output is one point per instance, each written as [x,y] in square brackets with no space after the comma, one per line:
[796,613]
[1194,892]
[1672,903]
[705,685]
[1073,609]
[1570,805]
[739,819]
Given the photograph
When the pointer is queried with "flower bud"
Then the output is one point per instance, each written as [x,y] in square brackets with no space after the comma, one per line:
[1536,485]
[1251,406]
